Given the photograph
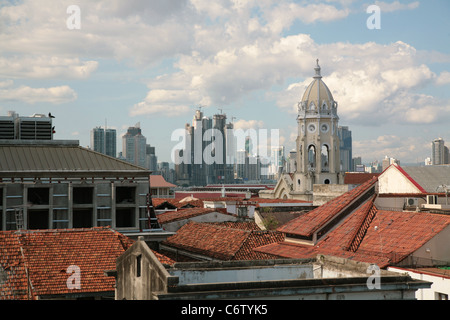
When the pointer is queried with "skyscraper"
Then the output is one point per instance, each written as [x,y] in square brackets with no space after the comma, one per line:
[345,145]
[134,146]
[104,141]
[438,152]
[205,157]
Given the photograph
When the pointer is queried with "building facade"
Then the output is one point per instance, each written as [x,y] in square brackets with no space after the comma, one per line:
[35,127]
[58,184]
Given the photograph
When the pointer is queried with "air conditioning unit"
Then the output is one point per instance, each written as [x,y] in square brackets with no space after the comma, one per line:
[432,199]
[412,202]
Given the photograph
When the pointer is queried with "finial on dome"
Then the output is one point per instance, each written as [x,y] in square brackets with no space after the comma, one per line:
[317,69]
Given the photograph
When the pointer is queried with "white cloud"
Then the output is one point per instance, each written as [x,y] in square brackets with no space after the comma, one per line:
[407,149]
[46,67]
[396,6]
[443,78]
[248,124]
[54,95]
[373,85]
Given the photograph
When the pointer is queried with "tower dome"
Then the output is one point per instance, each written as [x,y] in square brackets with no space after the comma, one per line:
[317,96]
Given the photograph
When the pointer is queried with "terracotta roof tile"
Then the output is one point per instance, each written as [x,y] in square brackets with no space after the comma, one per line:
[358,177]
[222,243]
[307,224]
[171,216]
[45,255]
[159,202]
[158,181]
[397,235]
[244,225]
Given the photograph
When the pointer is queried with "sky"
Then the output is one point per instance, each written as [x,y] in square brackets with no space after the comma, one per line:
[117,63]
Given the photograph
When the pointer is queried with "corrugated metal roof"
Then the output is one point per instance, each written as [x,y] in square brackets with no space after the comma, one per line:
[53,160]
[430,177]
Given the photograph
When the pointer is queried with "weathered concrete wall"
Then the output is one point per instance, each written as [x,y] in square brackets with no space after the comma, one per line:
[277,272]
[393,181]
[153,276]
[322,193]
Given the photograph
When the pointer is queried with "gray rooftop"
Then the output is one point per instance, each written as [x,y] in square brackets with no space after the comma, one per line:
[59,159]
[430,177]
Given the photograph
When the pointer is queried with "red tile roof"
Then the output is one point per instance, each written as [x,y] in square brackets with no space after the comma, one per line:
[259,200]
[176,202]
[158,181]
[222,243]
[244,225]
[44,256]
[307,224]
[397,235]
[171,216]
[358,177]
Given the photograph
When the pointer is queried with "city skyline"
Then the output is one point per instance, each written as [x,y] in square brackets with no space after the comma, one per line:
[249,60]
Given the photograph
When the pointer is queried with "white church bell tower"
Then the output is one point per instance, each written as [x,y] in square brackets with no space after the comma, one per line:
[317,144]
[318,160]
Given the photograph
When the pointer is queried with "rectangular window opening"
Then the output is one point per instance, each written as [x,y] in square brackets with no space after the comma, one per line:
[138,265]
[82,218]
[125,195]
[125,217]
[38,196]
[83,195]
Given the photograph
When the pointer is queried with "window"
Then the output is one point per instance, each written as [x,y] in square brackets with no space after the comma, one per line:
[82,218]
[441,296]
[82,195]
[138,265]
[38,196]
[38,219]
[125,217]
[327,181]
[312,156]
[325,158]
[125,195]
[242,211]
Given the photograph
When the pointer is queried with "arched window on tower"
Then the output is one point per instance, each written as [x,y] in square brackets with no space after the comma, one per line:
[325,158]
[312,157]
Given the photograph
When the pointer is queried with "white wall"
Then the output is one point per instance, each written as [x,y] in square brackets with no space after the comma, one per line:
[393,181]
[440,284]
